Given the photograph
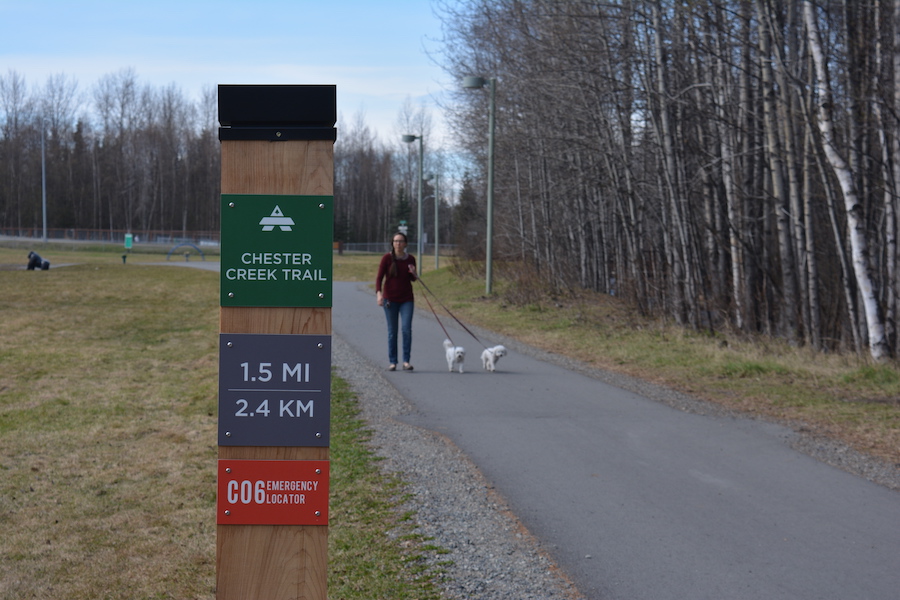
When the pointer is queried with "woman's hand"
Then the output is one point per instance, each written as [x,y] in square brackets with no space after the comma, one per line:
[379,299]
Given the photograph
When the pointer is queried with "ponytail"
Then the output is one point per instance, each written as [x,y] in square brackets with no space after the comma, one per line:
[392,272]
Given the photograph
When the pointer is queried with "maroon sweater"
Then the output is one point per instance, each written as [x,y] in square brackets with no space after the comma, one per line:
[398,288]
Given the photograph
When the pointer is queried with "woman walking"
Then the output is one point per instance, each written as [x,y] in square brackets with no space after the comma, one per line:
[393,292]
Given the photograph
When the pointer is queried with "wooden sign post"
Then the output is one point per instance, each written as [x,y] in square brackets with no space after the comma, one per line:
[275,351]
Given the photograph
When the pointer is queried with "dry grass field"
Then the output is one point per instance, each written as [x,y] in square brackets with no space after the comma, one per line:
[108,387]
[108,375]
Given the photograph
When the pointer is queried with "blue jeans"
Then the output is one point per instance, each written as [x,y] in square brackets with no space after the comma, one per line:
[402,311]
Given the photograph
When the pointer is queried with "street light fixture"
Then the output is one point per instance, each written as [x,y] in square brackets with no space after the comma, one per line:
[478,83]
[420,247]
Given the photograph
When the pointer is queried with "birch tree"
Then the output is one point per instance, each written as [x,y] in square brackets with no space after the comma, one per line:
[855,219]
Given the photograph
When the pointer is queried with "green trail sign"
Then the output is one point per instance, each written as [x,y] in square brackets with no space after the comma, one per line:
[276,250]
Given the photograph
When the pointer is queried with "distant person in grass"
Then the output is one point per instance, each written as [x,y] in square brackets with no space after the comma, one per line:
[393,292]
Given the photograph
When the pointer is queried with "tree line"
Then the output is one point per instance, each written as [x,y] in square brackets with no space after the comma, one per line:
[726,163]
[121,156]
[376,184]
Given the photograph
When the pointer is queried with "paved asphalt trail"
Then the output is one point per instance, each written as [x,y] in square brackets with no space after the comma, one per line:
[637,500]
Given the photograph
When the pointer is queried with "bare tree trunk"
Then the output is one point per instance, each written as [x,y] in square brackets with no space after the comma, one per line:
[16,129]
[682,285]
[890,147]
[721,87]
[855,219]
[780,192]
[812,265]
[750,181]
[787,110]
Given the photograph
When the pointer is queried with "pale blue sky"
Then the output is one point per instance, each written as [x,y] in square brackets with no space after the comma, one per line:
[375,52]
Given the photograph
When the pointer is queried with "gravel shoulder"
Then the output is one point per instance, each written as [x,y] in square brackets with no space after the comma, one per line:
[493,556]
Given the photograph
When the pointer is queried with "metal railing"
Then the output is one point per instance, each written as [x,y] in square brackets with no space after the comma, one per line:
[200,238]
[381,248]
[169,237]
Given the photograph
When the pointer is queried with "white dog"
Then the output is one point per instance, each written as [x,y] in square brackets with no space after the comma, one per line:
[456,355]
[490,356]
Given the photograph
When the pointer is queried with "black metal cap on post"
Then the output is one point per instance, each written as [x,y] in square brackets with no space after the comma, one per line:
[277,112]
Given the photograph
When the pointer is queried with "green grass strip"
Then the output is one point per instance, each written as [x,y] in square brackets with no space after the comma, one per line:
[374,550]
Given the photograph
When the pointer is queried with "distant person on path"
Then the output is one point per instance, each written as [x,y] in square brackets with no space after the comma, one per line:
[393,292]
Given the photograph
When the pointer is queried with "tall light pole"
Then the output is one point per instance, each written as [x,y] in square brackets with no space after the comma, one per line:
[437,209]
[44,178]
[478,83]
[437,206]
[420,246]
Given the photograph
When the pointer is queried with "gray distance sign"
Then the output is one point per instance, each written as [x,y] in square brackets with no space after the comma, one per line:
[274,389]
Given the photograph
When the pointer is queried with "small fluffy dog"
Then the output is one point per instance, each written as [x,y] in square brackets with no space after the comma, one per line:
[456,355]
[490,356]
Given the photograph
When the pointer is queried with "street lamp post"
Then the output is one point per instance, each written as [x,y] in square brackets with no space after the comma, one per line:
[478,83]
[437,209]
[44,179]
[436,196]
[420,246]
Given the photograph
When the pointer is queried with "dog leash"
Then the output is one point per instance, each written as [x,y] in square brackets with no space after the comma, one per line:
[461,324]
[436,317]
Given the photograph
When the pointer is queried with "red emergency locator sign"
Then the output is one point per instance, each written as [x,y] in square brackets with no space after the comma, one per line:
[272,492]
